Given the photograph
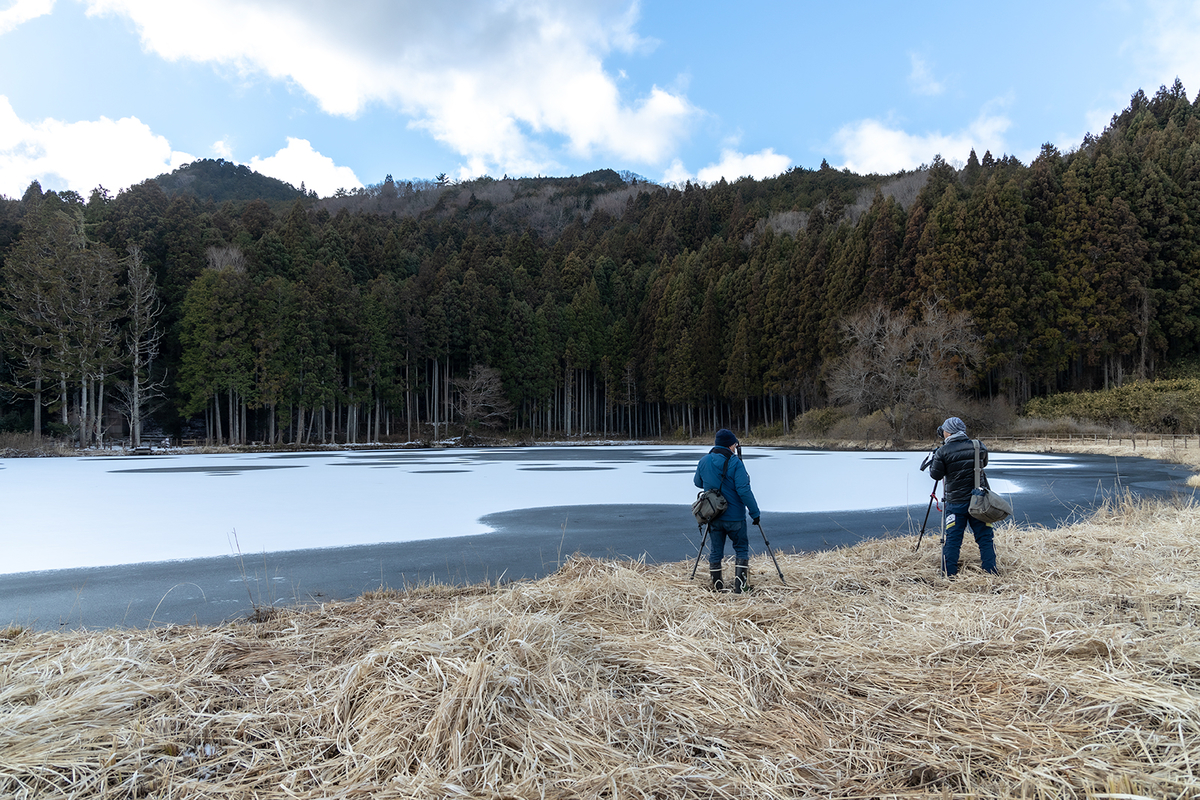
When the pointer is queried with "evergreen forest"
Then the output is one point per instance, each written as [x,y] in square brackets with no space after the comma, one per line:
[216,303]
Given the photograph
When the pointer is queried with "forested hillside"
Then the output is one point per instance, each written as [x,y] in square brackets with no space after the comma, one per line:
[221,180]
[596,304]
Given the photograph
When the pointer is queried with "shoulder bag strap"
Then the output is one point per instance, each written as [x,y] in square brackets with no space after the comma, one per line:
[978,482]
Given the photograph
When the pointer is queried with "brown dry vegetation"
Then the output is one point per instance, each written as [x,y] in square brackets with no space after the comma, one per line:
[1074,674]
[23,445]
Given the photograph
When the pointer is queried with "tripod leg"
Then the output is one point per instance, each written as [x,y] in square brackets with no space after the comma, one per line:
[700,552]
[932,497]
[768,544]
[943,539]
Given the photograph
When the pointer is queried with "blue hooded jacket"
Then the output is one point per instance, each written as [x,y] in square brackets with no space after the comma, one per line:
[735,487]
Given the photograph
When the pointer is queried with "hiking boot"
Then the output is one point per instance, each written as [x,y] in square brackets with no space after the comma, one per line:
[741,577]
[718,582]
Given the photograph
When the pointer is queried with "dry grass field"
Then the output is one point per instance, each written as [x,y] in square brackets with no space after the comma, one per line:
[1073,674]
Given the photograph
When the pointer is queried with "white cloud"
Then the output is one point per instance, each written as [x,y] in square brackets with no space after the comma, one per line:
[733,165]
[676,174]
[921,79]
[872,146]
[492,79]
[119,153]
[21,11]
[1162,49]
[79,155]
[1169,46]
[298,163]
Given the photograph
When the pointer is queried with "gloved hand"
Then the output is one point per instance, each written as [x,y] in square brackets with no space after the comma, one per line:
[755,520]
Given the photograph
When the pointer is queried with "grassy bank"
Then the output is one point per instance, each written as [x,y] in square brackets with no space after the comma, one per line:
[1074,674]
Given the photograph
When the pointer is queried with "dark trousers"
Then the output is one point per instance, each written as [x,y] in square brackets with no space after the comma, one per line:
[957,520]
[735,532]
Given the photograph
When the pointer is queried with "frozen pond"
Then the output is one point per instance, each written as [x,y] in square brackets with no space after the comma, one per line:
[116,541]
[100,511]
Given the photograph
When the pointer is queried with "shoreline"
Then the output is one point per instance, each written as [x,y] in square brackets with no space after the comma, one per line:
[1120,444]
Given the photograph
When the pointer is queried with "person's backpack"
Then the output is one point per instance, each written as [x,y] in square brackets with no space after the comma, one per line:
[711,504]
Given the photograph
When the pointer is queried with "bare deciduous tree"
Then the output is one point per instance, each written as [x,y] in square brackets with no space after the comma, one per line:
[481,400]
[142,337]
[899,366]
[224,259]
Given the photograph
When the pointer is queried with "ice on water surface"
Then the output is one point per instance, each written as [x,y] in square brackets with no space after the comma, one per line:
[100,511]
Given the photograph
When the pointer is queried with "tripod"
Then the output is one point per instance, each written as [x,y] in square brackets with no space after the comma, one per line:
[765,542]
[932,500]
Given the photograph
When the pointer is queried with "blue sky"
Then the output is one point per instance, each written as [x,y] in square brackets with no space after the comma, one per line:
[340,94]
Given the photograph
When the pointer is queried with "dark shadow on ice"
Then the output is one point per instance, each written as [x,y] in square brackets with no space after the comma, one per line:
[209,470]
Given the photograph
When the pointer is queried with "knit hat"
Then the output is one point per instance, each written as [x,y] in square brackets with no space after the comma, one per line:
[725,438]
[953,425]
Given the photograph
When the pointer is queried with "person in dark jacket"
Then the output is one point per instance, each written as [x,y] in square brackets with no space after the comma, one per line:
[954,462]
[731,525]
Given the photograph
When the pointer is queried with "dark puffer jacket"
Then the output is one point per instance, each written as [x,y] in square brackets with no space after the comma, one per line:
[954,461]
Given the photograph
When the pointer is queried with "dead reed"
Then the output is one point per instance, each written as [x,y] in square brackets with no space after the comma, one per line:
[1075,674]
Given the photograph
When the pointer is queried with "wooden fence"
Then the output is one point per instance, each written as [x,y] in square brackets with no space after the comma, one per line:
[1173,440]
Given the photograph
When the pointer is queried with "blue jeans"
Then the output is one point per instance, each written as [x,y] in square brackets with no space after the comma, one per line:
[733,530]
[957,520]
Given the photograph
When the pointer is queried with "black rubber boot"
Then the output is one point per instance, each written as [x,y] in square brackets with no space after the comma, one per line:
[718,581]
[741,577]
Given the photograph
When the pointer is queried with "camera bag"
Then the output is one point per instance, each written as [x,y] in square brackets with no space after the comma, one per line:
[710,503]
[986,505]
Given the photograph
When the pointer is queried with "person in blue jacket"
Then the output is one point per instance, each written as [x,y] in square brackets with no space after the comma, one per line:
[732,524]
